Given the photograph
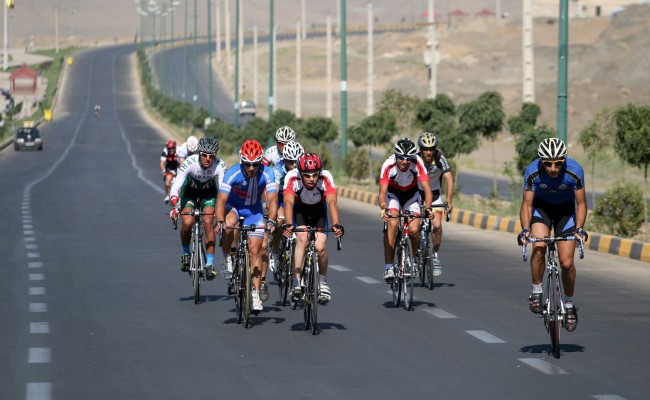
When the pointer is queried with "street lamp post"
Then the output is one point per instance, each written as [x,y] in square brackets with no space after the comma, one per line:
[210,57]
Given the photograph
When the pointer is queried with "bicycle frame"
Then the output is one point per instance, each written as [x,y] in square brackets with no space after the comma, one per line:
[285,269]
[197,251]
[553,309]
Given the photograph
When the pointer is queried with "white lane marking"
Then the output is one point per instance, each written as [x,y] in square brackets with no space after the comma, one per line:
[33,255]
[39,355]
[27,226]
[440,313]
[338,268]
[35,264]
[36,277]
[39,327]
[27,220]
[485,337]
[31,246]
[607,397]
[30,239]
[36,291]
[37,307]
[543,366]
[39,391]
[367,279]
[26,233]
[25,211]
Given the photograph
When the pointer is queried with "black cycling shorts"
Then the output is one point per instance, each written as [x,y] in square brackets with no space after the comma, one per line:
[562,217]
[312,215]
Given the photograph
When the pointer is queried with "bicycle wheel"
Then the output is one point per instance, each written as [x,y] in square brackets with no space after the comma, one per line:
[237,286]
[247,290]
[408,268]
[315,290]
[195,267]
[396,286]
[307,292]
[555,309]
[286,258]
[429,264]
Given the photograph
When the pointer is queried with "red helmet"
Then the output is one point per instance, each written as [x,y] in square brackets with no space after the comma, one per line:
[251,151]
[309,162]
[171,144]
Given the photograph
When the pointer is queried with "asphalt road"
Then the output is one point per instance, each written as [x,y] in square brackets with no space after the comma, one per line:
[93,305]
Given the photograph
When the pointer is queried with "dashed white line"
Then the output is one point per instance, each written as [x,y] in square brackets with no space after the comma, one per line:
[31,246]
[28,233]
[440,313]
[36,277]
[338,268]
[37,291]
[39,391]
[543,366]
[485,337]
[39,355]
[35,264]
[367,279]
[37,307]
[26,226]
[39,327]
[607,397]
[33,255]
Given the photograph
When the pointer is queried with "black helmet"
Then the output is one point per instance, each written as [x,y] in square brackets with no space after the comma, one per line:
[208,145]
[405,148]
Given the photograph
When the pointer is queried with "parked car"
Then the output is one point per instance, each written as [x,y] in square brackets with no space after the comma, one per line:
[28,138]
[247,107]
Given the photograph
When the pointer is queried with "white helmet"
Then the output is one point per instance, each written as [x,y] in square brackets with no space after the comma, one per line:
[551,148]
[285,134]
[192,144]
[292,151]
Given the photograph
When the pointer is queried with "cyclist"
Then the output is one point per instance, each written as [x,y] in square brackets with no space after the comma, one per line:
[187,149]
[437,168]
[168,166]
[273,154]
[554,196]
[309,192]
[290,155]
[398,190]
[98,111]
[196,186]
[240,194]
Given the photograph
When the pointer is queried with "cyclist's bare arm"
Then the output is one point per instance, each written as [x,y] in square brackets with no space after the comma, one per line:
[289,199]
[449,179]
[526,211]
[272,205]
[220,211]
[428,194]
[581,208]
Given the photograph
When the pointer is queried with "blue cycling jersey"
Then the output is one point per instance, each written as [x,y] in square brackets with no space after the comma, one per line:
[280,171]
[244,191]
[554,190]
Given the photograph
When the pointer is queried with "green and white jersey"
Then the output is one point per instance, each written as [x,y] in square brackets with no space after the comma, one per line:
[192,177]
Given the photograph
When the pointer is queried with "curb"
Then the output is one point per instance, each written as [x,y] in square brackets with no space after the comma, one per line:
[598,242]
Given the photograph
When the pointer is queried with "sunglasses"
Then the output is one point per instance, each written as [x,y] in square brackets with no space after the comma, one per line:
[251,164]
[290,162]
[309,174]
[403,158]
[553,163]
[208,156]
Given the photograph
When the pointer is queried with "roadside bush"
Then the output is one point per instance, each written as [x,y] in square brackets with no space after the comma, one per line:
[620,211]
[356,164]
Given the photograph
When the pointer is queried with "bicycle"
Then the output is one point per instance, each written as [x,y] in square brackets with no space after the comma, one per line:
[404,267]
[285,267]
[310,281]
[425,252]
[240,282]
[553,309]
[197,251]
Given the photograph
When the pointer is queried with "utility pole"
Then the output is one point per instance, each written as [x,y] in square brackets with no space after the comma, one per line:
[370,101]
[211,86]
[240,43]
[5,56]
[227,32]
[344,82]
[271,49]
[237,65]
[563,71]
[255,66]
[218,29]
[298,70]
[431,53]
[56,27]
[196,64]
[528,89]
[328,69]
[303,19]
[185,54]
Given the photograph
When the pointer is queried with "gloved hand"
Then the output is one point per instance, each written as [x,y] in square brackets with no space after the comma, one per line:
[173,214]
[583,234]
[338,230]
[523,235]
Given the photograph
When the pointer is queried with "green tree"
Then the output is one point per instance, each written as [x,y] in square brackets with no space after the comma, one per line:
[318,130]
[255,129]
[596,138]
[376,129]
[402,106]
[633,139]
[279,119]
[484,116]
[527,143]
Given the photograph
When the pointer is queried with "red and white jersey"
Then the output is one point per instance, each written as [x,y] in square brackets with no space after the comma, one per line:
[324,186]
[399,181]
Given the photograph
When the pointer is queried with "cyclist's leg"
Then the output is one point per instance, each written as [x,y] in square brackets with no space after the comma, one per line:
[413,205]
[436,222]
[299,255]
[254,216]
[540,227]
[566,249]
